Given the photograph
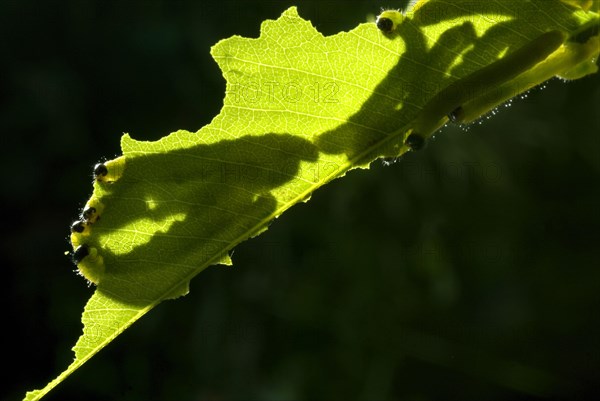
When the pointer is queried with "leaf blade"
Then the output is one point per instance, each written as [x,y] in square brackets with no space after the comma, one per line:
[313,136]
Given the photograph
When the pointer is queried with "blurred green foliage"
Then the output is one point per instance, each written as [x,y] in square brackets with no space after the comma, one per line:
[466,271]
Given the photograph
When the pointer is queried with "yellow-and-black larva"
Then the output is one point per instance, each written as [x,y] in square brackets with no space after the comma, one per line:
[388,20]
[109,171]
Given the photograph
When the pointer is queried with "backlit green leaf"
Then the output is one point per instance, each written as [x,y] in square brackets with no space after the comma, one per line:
[300,110]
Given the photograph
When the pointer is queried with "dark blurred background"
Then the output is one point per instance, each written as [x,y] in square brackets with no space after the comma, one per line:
[466,271]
